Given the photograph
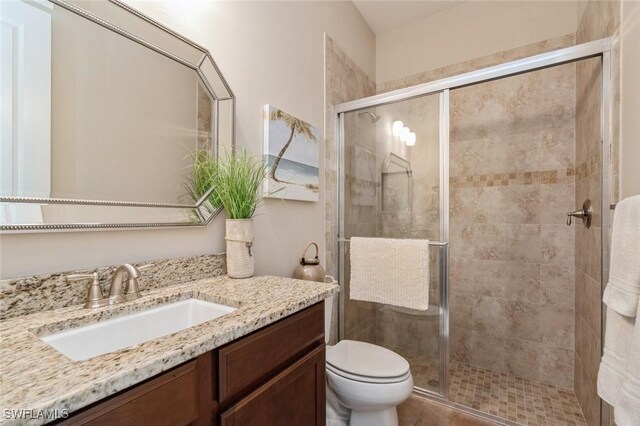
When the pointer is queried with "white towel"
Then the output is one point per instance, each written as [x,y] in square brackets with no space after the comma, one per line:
[623,291]
[626,410]
[390,271]
[611,374]
[619,374]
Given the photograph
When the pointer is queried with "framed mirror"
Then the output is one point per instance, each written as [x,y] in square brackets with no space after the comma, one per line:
[104,111]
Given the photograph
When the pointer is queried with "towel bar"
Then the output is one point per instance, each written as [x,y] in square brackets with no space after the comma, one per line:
[431,243]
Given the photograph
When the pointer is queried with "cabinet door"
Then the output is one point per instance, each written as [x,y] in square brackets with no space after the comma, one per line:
[169,399]
[254,359]
[182,396]
[294,397]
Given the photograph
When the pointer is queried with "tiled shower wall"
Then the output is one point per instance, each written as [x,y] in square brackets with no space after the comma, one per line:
[408,207]
[600,19]
[549,241]
[512,255]
[512,182]
[360,214]
[344,81]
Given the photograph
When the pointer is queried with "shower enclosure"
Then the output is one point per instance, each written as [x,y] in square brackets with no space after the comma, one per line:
[499,156]
[393,191]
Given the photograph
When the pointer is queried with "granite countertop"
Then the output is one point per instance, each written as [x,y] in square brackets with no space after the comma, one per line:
[34,376]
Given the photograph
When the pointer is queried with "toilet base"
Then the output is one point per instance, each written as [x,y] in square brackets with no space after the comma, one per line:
[387,417]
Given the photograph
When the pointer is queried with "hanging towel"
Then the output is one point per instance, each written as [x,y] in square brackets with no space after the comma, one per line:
[619,372]
[623,290]
[390,271]
[626,410]
[613,367]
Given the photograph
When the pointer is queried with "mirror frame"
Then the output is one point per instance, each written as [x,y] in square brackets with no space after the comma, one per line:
[205,60]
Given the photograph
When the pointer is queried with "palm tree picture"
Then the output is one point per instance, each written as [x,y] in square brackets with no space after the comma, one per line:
[292,153]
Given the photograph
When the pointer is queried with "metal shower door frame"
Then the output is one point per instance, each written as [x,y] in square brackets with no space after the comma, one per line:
[594,49]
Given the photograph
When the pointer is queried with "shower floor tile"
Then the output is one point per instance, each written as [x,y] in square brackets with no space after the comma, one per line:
[513,398]
[517,400]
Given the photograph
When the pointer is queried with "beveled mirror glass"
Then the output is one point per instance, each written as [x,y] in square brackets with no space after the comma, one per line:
[102,111]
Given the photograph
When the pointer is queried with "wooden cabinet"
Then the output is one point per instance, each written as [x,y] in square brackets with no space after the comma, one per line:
[296,396]
[171,398]
[250,361]
[273,376]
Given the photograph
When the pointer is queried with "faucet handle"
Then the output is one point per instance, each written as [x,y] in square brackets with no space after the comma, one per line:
[145,267]
[95,298]
[82,277]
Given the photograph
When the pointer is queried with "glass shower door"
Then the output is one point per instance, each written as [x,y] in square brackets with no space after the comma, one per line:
[394,186]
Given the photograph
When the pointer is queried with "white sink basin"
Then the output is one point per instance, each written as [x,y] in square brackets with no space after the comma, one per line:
[130,330]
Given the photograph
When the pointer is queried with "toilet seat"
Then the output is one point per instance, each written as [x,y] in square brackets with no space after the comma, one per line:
[367,363]
[367,379]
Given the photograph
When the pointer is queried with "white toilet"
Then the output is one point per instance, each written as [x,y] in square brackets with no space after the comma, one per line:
[368,380]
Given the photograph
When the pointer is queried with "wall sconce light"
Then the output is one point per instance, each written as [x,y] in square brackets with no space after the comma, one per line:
[404,133]
[396,128]
[411,139]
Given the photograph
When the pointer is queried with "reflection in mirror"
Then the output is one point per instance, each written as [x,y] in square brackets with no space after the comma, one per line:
[104,114]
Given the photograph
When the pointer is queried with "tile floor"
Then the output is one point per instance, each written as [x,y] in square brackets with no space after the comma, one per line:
[420,412]
[513,398]
[503,395]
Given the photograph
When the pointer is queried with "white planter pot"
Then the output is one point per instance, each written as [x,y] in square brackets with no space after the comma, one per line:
[240,260]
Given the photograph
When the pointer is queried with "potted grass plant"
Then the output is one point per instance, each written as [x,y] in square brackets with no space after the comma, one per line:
[235,179]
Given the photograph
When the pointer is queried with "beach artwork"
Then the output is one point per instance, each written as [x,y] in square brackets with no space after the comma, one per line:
[292,151]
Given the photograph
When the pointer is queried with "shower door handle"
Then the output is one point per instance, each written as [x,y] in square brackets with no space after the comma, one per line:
[585,214]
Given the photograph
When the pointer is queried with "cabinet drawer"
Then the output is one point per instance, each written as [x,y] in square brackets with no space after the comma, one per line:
[171,399]
[296,396]
[249,362]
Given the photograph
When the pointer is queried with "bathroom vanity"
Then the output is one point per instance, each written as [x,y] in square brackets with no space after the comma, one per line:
[263,363]
[257,379]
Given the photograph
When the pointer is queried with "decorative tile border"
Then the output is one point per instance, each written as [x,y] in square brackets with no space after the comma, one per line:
[27,295]
[589,167]
[546,177]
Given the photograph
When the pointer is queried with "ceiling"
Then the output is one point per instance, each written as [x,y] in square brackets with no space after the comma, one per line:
[383,15]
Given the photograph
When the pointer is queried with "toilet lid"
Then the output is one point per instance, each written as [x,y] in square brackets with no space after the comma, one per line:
[365,359]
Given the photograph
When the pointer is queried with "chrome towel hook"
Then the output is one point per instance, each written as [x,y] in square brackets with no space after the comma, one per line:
[585,214]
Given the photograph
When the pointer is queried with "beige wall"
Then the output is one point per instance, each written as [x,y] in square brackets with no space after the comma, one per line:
[630,102]
[468,31]
[270,52]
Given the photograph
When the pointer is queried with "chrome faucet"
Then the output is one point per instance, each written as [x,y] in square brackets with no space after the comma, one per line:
[118,291]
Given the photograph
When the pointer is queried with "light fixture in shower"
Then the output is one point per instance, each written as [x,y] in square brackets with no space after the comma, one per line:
[404,133]
[411,139]
[396,128]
